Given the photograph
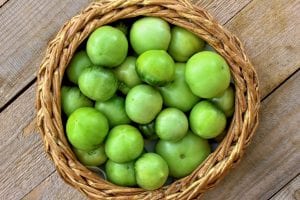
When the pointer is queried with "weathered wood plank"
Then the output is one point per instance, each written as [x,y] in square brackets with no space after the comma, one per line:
[23,161]
[26,27]
[290,191]
[273,158]
[271,34]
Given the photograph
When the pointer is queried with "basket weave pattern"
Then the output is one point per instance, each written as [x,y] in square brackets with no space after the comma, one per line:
[178,12]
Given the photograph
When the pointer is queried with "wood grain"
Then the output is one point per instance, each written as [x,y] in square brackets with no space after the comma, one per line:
[273,158]
[290,191]
[23,161]
[26,27]
[271,34]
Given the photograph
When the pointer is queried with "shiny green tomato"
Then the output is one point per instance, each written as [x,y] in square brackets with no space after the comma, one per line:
[143,103]
[72,99]
[78,63]
[150,33]
[178,94]
[114,110]
[127,75]
[171,124]
[86,128]
[225,101]
[107,46]
[151,171]
[207,74]
[120,173]
[184,44]
[185,155]
[98,83]
[94,157]
[124,143]
[156,67]
[206,120]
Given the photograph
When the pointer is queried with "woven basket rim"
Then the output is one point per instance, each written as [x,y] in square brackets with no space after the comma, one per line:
[177,12]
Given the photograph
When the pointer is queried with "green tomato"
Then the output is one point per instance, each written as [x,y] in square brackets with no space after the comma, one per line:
[124,143]
[225,101]
[151,171]
[86,128]
[155,67]
[150,33]
[148,130]
[98,83]
[184,44]
[107,46]
[171,124]
[207,74]
[94,157]
[206,120]
[78,63]
[177,94]
[120,173]
[143,103]
[114,110]
[127,75]
[185,155]
[72,99]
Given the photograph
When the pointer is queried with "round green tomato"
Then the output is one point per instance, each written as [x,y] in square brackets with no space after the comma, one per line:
[120,173]
[225,101]
[114,110]
[124,143]
[207,74]
[72,99]
[171,124]
[148,130]
[185,155]
[151,171]
[150,33]
[178,94]
[94,157]
[86,128]
[184,44]
[206,120]
[107,46]
[98,83]
[78,63]
[155,67]
[126,74]
[143,103]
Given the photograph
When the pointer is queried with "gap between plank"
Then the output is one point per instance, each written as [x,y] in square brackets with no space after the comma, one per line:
[3,3]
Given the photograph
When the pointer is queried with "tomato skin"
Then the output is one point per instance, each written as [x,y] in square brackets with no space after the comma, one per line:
[95,157]
[120,173]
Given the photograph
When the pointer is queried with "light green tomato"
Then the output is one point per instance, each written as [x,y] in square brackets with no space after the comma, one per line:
[178,94]
[207,74]
[150,33]
[98,83]
[184,44]
[94,157]
[120,173]
[171,124]
[185,155]
[78,63]
[86,128]
[72,99]
[206,120]
[127,75]
[156,67]
[124,143]
[107,46]
[151,171]
[225,101]
[143,103]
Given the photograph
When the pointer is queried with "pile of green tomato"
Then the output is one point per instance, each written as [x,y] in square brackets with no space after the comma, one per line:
[144,100]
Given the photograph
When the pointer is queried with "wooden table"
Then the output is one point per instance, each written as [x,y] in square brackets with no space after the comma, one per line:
[270,31]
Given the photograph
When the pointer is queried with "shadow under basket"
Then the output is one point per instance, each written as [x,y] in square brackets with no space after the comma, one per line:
[177,12]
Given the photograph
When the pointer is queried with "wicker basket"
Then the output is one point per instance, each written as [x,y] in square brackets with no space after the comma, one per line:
[177,12]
